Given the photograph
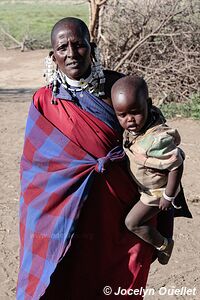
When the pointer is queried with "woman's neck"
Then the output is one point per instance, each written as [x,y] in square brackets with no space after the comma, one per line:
[77,82]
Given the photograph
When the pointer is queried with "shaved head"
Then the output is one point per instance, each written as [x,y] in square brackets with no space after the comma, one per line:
[130,102]
[69,22]
[135,83]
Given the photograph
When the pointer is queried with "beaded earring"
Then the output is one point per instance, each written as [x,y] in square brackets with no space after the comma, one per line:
[50,74]
[49,68]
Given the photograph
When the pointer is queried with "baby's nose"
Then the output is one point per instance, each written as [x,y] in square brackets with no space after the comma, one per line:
[130,118]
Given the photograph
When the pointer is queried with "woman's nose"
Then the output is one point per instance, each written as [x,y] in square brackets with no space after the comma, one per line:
[70,50]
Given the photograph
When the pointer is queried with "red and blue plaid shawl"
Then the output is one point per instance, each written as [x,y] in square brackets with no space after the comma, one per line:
[57,175]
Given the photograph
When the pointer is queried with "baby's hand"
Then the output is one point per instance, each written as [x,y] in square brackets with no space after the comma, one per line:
[164,204]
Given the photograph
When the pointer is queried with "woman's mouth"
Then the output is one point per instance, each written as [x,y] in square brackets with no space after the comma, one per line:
[73,64]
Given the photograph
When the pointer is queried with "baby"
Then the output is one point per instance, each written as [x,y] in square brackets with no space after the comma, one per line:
[155,160]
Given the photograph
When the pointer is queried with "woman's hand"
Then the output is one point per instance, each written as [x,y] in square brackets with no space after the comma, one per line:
[164,204]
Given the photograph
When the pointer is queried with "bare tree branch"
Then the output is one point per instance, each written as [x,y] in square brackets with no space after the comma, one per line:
[157,39]
[170,15]
[94,12]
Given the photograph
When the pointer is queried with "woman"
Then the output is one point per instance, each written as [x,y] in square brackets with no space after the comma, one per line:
[76,190]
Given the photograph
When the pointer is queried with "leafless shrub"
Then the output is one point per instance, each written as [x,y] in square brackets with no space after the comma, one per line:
[157,39]
[9,42]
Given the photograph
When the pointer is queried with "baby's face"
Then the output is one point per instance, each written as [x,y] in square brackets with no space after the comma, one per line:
[131,112]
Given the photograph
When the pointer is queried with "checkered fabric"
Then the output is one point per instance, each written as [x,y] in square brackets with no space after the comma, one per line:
[56,176]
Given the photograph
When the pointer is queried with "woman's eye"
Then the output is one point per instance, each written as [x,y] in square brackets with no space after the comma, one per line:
[62,48]
[80,45]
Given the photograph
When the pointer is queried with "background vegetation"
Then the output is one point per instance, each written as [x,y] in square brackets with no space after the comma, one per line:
[33,20]
[187,109]
[168,58]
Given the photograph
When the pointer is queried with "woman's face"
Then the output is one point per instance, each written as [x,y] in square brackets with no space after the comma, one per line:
[72,51]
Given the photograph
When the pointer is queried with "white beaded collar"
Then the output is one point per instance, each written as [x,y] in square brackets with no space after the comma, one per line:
[82,83]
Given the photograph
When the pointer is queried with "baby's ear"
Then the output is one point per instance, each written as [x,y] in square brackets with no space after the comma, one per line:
[149,102]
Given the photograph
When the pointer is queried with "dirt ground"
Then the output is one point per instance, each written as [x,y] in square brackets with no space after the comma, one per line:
[20,75]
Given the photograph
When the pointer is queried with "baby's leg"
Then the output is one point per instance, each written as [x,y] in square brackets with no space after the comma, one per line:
[137,222]
[165,223]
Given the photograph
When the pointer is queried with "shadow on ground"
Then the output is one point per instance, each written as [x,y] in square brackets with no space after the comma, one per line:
[16,95]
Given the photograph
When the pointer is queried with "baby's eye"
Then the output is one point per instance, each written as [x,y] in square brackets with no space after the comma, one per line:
[134,112]
[122,116]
